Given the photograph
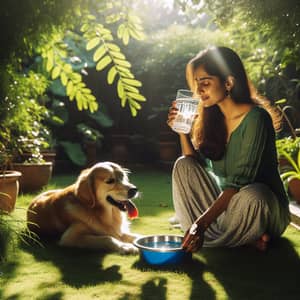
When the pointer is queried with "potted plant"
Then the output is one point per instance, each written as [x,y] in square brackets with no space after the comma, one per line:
[30,162]
[9,179]
[9,183]
[23,114]
[289,149]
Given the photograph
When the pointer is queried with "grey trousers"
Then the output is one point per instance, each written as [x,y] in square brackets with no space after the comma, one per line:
[251,212]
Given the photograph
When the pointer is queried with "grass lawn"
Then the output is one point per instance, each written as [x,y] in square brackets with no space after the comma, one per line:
[50,272]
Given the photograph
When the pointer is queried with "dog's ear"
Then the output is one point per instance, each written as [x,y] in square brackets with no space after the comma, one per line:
[84,187]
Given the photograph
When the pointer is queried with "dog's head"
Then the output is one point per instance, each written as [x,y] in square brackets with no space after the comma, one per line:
[107,183]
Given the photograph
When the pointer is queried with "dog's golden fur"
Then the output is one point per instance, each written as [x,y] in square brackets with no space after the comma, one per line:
[81,214]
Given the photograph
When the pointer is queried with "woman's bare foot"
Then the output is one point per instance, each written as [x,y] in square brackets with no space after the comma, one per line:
[262,243]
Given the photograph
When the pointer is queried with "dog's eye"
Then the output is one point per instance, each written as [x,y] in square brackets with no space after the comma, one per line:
[110,181]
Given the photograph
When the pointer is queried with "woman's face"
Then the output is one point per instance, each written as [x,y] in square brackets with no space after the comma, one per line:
[210,88]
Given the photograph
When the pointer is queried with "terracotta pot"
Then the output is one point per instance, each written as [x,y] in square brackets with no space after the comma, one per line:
[34,176]
[284,165]
[48,155]
[9,190]
[294,189]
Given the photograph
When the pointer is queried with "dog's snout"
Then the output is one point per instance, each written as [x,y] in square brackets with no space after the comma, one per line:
[132,192]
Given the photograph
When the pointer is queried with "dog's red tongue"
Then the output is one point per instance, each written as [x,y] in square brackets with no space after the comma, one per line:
[131,210]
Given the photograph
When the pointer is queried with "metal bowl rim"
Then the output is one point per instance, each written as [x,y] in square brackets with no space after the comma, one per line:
[136,243]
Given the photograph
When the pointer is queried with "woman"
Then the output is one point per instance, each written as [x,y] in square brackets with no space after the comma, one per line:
[226,187]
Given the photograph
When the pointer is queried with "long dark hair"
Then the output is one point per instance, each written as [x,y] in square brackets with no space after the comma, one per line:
[209,131]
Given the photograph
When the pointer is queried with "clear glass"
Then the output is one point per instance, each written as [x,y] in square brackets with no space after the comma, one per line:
[187,108]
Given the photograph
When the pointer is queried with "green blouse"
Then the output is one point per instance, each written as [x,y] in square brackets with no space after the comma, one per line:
[251,155]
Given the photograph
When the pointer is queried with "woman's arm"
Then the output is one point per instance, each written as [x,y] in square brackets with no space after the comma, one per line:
[186,145]
[194,237]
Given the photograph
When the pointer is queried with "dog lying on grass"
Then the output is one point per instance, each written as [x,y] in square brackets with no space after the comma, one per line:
[89,213]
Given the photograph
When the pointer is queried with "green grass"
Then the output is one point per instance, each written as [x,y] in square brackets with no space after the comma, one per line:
[33,272]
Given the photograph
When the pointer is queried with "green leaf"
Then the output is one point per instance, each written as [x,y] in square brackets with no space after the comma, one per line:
[99,53]
[73,93]
[102,119]
[79,100]
[120,31]
[106,60]
[118,55]
[125,72]
[75,77]
[93,43]
[135,104]
[84,103]
[123,63]
[86,91]
[113,18]
[84,27]
[67,68]
[111,75]
[131,88]
[113,47]
[137,34]
[125,36]
[70,87]
[132,82]
[49,64]
[55,72]
[133,111]
[137,96]
[63,78]
[123,101]
[135,19]
[74,152]
[120,89]
[93,106]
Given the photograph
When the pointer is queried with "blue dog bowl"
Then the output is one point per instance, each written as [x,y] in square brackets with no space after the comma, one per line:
[161,249]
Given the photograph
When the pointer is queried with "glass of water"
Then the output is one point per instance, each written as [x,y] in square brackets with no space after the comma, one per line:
[187,108]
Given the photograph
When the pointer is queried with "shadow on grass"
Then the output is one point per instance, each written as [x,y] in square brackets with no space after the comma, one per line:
[8,271]
[246,273]
[242,273]
[192,267]
[78,267]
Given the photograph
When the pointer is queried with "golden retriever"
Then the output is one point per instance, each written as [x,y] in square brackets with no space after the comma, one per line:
[89,213]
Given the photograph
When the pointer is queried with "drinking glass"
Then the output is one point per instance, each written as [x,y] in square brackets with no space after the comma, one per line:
[187,108]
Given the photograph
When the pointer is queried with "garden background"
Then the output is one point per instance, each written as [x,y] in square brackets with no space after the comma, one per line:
[92,80]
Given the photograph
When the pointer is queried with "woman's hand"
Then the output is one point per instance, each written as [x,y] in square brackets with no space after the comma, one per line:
[194,237]
[173,110]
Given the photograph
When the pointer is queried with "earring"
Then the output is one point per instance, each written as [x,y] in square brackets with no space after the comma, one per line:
[227,93]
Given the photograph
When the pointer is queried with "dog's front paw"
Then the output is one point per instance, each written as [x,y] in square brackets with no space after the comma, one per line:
[127,248]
